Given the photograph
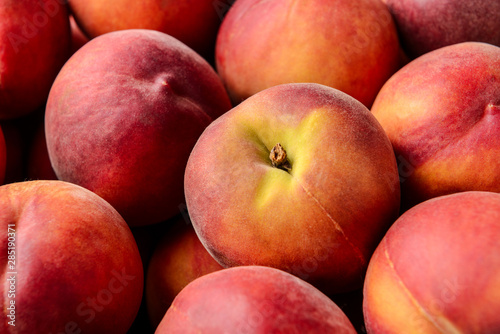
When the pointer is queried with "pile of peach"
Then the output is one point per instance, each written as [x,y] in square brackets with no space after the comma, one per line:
[221,166]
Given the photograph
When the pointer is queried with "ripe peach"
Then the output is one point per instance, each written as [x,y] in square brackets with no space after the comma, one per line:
[437,270]
[320,210]
[123,115]
[72,264]
[253,299]
[194,23]
[442,114]
[349,45]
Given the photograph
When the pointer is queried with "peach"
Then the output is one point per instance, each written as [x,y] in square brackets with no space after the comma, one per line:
[349,45]
[178,259]
[437,270]
[300,177]
[72,264]
[123,115]
[253,299]
[194,22]
[428,25]
[442,114]
[35,39]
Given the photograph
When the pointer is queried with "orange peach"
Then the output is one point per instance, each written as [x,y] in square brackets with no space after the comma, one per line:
[437,270]
[349,45]
[193,22]
[69,263]
[253,299]
[442,114]
[300,177]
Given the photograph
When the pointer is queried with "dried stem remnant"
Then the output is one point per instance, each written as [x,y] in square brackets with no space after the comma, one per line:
[279,159]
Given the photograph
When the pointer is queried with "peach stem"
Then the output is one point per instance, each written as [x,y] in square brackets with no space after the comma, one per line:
[279,159]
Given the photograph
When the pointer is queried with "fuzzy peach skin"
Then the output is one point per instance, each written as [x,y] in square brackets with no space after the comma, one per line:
[321,220]
[178,259]
[123,115]
[3,157]
[34,44]
[442,115]
[253,299]
[73,264]
[194,22]
[349,45]
[438,269]
[427,25]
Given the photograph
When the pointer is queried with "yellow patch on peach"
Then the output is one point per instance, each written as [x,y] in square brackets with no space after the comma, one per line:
[392,302]
[299,148]
[446,173]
